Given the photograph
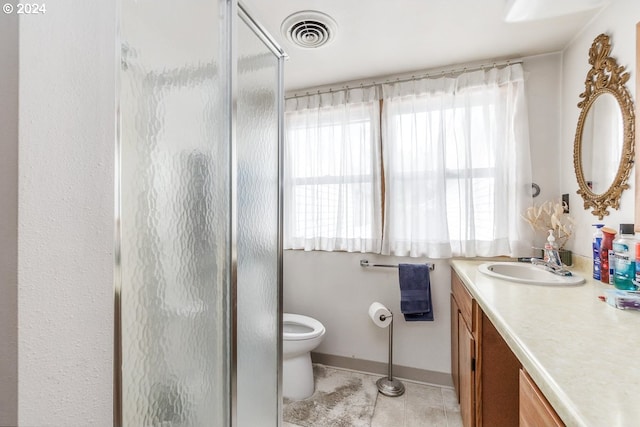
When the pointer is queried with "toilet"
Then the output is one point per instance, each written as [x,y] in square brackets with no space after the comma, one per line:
[301,334]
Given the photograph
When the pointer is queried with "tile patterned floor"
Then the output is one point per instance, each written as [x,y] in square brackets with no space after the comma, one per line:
[421,405]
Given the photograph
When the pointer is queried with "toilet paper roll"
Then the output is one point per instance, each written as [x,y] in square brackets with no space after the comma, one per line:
[376,310]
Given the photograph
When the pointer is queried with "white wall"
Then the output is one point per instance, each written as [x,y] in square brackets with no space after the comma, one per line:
[618,20]
[333,288]
[543,74]
[8,220]
[66,203]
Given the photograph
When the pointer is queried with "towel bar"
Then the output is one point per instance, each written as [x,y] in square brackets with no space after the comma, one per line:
[365,263]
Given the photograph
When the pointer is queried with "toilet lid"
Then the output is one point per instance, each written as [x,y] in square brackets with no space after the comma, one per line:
[298,327]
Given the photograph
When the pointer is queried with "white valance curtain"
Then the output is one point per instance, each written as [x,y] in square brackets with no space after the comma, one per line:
[332,174]
[457,165]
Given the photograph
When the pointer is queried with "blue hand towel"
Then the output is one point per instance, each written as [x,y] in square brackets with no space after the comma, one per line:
[415,292]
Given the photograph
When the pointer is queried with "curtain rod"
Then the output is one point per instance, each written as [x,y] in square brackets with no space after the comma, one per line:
[415,76]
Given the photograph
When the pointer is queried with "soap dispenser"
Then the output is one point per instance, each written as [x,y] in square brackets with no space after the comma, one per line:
[550,250]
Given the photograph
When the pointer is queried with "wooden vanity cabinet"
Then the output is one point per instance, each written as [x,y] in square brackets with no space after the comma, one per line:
[455,373]
[535,410]
[485,371]
[463,347]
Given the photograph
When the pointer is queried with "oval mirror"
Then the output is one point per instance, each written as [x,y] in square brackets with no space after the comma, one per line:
[604,142]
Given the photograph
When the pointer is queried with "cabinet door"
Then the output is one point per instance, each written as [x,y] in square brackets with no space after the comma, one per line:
[455,373]
[496,377]
[466,357]
[535,410]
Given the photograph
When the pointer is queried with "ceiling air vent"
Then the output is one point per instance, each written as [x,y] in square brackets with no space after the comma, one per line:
[309,29]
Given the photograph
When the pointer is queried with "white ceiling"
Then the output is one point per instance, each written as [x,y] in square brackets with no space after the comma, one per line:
[385,37]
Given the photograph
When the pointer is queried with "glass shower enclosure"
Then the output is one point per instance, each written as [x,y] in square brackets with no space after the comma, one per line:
[198,250]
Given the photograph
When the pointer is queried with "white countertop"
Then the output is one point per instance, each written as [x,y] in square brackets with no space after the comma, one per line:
[582,353]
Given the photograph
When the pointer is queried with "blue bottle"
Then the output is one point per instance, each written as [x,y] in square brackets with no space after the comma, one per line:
[597,242]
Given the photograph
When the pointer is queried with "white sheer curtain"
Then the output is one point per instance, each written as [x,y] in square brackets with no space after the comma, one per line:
[457,165]
[332,174]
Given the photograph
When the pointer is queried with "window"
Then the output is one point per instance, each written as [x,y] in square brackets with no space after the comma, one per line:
[457,165]
[332,172]
[455,155]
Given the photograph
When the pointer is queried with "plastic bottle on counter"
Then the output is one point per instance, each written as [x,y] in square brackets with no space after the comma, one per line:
[612,264]
[608,234]
[625,259]
[637,282]
[597,242]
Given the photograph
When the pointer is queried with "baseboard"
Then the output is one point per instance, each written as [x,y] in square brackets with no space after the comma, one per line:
[413,374]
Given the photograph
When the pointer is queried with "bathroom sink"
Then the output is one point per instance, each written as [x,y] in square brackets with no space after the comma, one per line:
[527,273]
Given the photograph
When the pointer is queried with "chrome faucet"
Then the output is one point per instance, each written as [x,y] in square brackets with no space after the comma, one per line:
[554,263]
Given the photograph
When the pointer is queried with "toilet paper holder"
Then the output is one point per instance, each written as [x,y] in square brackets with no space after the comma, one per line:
[388,385]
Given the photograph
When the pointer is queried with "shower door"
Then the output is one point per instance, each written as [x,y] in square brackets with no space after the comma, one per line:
[175,214]
[258,227]
[198,252]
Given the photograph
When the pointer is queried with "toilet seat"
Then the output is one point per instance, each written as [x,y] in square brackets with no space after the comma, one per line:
[297,327]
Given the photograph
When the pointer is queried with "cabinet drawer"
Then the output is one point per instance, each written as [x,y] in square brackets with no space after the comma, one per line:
[463,299]
[535,410]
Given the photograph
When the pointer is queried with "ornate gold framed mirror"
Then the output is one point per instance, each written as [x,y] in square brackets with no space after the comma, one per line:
[603,150]
[637,207]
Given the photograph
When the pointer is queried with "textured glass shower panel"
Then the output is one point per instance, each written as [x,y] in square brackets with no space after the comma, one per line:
[257,244]
[174,214]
